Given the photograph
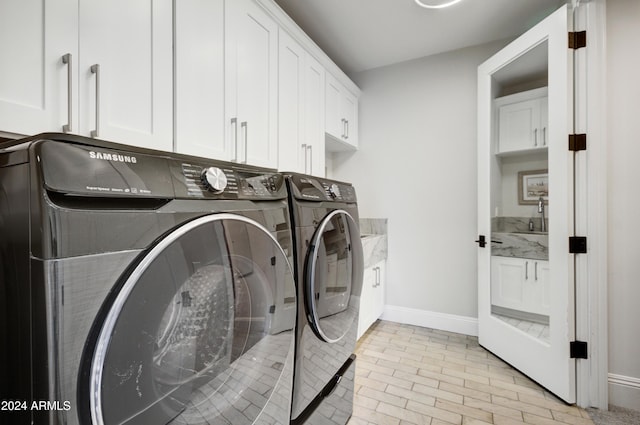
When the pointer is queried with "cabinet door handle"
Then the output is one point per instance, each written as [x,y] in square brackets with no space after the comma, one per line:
[347,133]
[535,268]
[95,69]
[344,128]
[234,123]
[68,60]
[535,137]
[310,149]
[526,270]
[544,136]
[245,127]
[304,152]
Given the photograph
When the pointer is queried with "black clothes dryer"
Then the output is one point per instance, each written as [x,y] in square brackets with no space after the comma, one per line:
[142,287]
[328,272]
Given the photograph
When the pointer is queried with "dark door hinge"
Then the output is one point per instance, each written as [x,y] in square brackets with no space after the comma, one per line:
[577,142]
[577,245]
[577,39]
[578,350]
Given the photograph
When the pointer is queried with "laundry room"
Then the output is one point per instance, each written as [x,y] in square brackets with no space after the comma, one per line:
[318,212]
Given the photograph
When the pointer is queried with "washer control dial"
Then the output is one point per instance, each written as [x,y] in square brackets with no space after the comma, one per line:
[334,191]
[214,179]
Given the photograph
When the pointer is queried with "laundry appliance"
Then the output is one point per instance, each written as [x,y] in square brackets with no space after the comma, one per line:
[328,270]
[142,287]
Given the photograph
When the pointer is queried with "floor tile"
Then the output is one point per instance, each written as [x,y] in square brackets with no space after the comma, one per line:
[412,375]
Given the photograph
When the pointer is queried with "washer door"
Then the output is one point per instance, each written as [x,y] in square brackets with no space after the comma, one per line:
[333,276]
[197,334]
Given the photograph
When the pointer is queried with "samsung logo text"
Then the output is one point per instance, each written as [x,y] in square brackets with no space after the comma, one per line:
[114,157]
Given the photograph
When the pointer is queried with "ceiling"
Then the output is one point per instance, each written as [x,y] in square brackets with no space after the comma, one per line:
[364,34]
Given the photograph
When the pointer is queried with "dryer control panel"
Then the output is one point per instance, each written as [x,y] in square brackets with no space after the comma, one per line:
[316,189]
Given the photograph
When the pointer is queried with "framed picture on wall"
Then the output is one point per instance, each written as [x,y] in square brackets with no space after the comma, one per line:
[532,185]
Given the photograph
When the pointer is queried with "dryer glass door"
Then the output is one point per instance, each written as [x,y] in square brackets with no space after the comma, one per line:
[201,331]
[333,276]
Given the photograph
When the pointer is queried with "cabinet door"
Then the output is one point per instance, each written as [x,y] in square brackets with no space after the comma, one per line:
[544,123]
[518,125]
[314,84]
[199,79]
[334,121]
[35,89]
[251,66]
[379,294]
[350,114]
[292,148]
[538,299]
[365,317]
[125,71]
[508,276]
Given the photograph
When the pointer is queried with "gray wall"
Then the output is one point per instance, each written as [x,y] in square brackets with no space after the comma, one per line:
[623,113]
[416,166]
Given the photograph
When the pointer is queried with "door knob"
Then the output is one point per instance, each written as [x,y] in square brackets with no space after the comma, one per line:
[481,241]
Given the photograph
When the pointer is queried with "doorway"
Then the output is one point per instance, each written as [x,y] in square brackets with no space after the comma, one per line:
[526,309]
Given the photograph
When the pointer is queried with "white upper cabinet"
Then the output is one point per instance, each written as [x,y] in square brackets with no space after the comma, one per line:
[251,78]
[300,109]
[341,116]
[199,79]
[115,81]
[125,71]
[314,110]
[36,92]
[292,150]
[522,121]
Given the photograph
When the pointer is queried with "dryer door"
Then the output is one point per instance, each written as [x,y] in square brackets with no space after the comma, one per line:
[201,331]
[333,276]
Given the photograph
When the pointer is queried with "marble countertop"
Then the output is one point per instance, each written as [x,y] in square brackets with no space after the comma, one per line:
[373,234]
[534,246]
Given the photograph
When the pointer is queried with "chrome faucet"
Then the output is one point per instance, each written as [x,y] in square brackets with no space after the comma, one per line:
[541,211]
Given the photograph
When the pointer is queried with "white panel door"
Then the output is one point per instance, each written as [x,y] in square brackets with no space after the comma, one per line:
[251,73]
[546,360]
[125,71]
[36,85]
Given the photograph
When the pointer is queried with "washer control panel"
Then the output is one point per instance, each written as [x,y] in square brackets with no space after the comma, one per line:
[226,182]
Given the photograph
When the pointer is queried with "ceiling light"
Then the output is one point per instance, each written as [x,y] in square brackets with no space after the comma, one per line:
[436,4]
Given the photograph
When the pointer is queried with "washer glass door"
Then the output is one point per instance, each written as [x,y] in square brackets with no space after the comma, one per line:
[201,331]
[333,276]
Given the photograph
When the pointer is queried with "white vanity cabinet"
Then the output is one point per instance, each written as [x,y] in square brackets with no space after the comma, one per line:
[373,296]
[251,83]
[520,284]
[341,120]
[522,121]
[300,109]
[88,67]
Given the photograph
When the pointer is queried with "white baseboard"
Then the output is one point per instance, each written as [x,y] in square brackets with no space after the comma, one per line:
[624,391]
[431,319]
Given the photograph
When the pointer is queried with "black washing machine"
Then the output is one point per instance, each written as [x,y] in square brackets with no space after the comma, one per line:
[142,287]
[328,267]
